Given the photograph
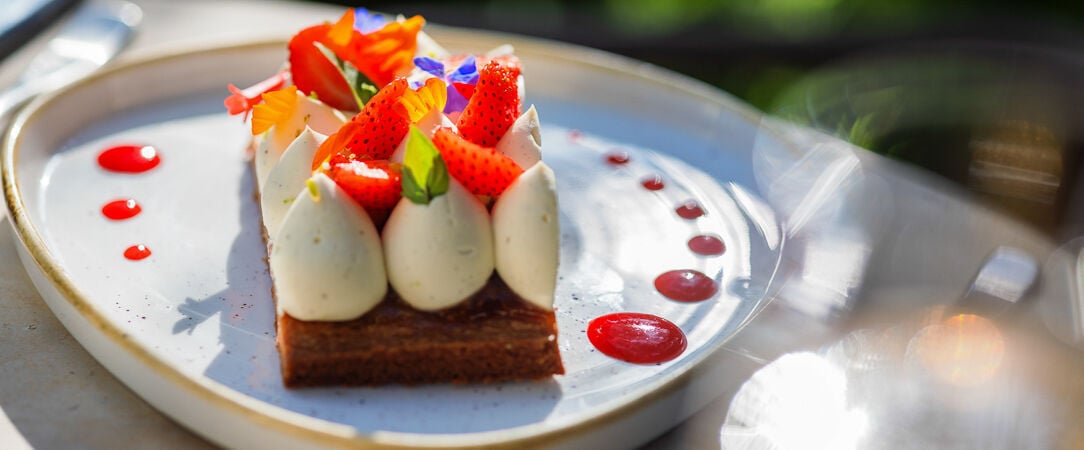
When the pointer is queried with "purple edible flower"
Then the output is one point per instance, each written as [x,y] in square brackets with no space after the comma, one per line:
[366,22]
[467,73]
[430,66]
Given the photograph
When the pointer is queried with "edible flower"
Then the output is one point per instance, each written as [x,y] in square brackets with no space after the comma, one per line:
[343,29]
[277,108]
[241,101]
[460,81]
[415,104]
[367,22]
[355,19]
[381,50]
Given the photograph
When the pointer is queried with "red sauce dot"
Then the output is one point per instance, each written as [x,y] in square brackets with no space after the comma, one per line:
[617,157]
[129,158]
[137,252]
[689,210]
[686,286]
[653,183]
[707,245]
[575,135]
[636,337]
[121,209]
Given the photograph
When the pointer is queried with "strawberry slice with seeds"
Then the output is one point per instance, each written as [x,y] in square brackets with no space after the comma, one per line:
[375,185]
[482,170]
[374,133]
[313,73]
[494,105]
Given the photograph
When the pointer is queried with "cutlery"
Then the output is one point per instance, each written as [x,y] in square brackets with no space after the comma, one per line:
[21,21]
[94,34]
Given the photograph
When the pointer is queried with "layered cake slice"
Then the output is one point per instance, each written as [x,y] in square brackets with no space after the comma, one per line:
[412,228]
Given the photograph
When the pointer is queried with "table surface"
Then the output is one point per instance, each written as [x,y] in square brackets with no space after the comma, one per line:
[53,394]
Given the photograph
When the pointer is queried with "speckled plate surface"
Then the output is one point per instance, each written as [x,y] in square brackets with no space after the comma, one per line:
[191,328]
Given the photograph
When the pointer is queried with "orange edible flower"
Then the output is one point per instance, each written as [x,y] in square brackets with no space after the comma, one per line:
[416,104]
[384,54]
[334,143]
[343,30]
[277,107]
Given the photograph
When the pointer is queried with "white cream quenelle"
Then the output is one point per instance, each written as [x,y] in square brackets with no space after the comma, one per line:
[310,113]
[327,257]
[523,141]
[440,253]
[527,235]
[287,178]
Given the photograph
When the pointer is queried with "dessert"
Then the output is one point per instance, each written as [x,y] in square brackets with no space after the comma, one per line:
[411,226]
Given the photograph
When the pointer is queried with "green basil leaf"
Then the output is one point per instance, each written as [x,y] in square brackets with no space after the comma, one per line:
[425,175]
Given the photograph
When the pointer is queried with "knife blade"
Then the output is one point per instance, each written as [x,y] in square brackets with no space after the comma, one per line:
[95,33]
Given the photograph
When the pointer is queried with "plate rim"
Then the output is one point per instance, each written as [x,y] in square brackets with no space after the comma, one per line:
[313,429]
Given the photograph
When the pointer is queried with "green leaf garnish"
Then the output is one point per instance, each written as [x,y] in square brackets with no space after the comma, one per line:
[425,176]
[361,86]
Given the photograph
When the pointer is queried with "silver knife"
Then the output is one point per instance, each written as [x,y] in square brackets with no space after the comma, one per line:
[93,35]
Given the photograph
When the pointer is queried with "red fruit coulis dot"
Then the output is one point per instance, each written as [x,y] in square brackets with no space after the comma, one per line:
[689,210]
[707,245]
[121,209]
[617,157]
[636,337]
[652,183]
[686,285]
[137,252]
[129,158]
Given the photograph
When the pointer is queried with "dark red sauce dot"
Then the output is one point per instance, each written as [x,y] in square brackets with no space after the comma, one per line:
[689,210]
[636,337]
[707,245]
[129,158]
[653,183]
[121,209]
[137,252]
[617,157]
[686,286]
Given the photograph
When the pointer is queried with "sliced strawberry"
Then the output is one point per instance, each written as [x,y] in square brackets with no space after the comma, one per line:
[313,73]
[509,61]
[494,105]
[374,133]
[375,185]
[482,170]
[464,89]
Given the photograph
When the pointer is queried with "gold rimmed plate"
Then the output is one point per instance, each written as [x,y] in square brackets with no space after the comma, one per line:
[191,327]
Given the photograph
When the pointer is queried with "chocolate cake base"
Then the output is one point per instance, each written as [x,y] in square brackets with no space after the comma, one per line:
[494,336]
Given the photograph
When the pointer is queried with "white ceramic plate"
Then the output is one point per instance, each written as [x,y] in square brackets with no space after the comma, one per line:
[191,328]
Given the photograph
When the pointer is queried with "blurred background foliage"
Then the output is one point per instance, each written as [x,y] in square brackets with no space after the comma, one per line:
[754,48]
